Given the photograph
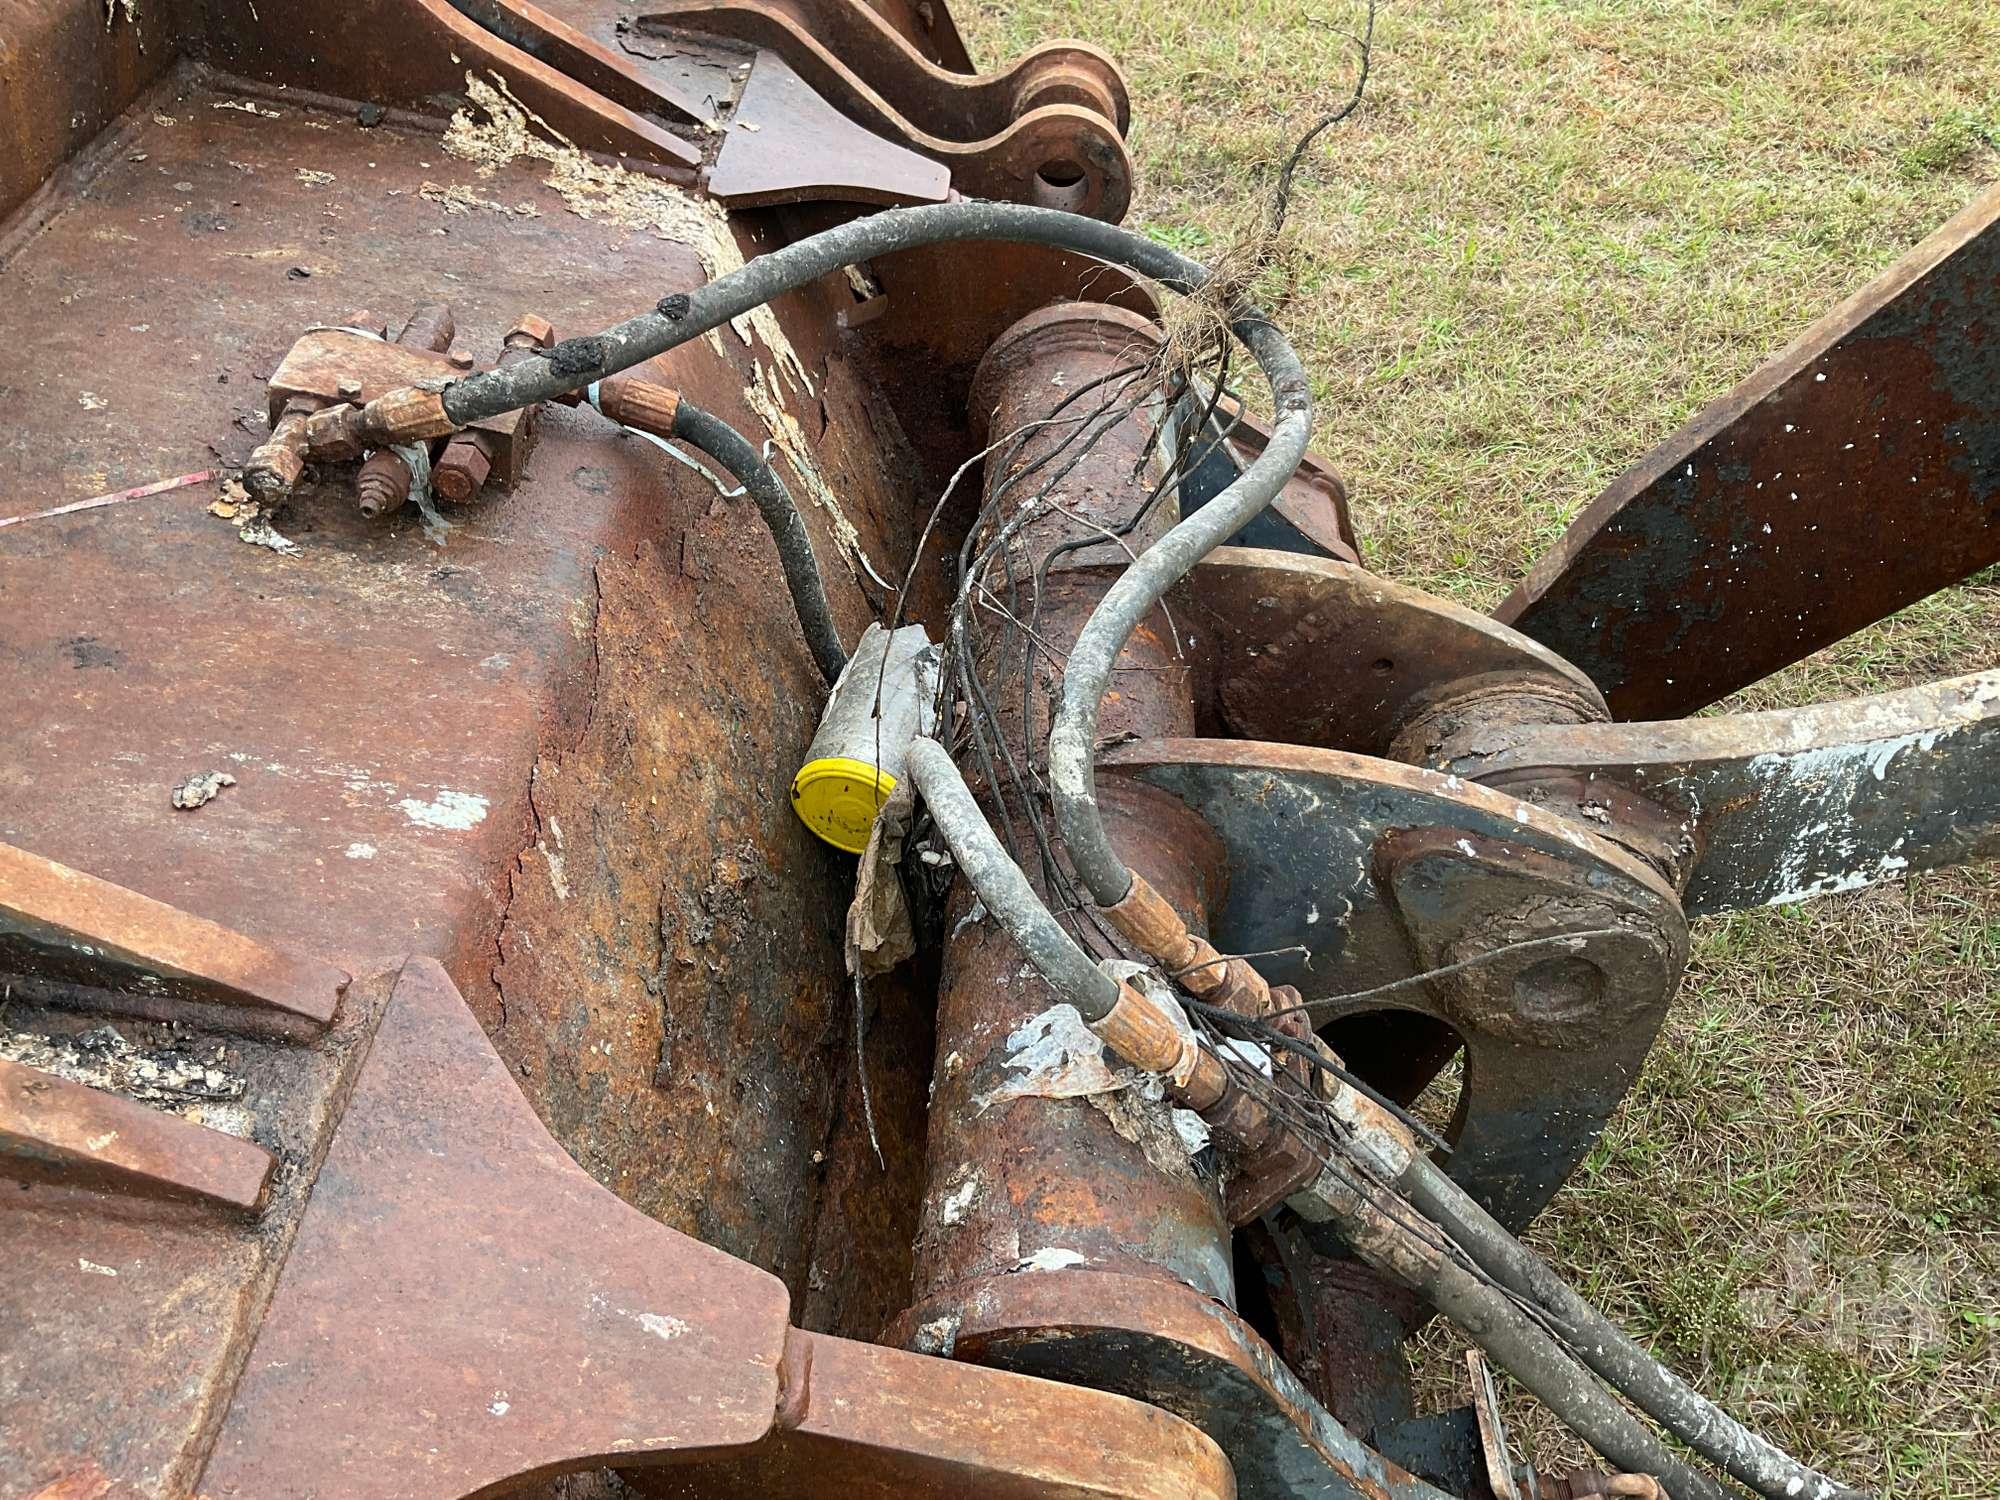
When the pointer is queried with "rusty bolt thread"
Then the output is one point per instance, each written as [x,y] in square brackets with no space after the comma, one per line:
[335,434]
[404,415]
[383,484]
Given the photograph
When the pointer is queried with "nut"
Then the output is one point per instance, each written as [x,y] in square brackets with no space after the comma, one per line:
[531,331]
[335,433]
[461,469]
[407,414]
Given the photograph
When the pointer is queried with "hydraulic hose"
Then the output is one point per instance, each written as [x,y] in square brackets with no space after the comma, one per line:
[682,316]
[1514,1340]
[1087,673]
[1553,1377]
[999,883]
[734,452]
[1612,1353]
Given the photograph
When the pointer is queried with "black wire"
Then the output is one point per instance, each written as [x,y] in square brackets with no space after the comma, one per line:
[1257,1029]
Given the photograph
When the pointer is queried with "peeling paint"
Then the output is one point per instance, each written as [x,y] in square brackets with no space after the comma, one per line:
[455,811]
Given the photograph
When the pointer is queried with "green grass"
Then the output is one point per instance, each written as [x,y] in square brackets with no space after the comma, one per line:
[1553,231]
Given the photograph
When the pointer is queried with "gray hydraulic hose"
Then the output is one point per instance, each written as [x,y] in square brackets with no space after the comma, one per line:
[686,315]
[733,451]
[1513,1340]
[1612,1353]
[1521,1348]
[681,316]
[999,883]
[1087,673]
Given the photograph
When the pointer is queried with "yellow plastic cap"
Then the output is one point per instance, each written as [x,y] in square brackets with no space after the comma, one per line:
[838,797]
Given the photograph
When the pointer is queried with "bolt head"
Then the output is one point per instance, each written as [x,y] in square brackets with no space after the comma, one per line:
[461,469]
[531,329]
[347,388]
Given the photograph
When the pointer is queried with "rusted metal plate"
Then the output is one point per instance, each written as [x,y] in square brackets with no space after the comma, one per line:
[859,63]
[463,1306]
[589,64]
[125,1315]
[386,705]
[61,925]
[67,71]
[929,28]
[1054,152]
[1198,1361]
[414,55]
[785,144]
[873,1423]
[1857,472]
[1313,846]
[1796,803]
[1554,1035]
[1316,652]
[90,1136]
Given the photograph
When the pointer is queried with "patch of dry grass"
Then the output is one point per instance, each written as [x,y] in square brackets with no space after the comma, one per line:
[1552,233]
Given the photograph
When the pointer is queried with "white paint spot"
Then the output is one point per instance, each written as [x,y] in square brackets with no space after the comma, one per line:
[93,1268]
[499,1406]
[1251,1052]
[456,811]
[661,1326]
[1191,1128]
[1051,1259]
[99,1142]
[937,1336]
[360,851]
[958,1202]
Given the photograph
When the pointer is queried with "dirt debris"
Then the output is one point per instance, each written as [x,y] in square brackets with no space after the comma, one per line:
[499,128]
[200,789]
[459,199]
[197,1085]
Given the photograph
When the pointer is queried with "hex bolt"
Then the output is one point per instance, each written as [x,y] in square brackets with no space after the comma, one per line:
[463,467]
[530,332]
[347,388]
[430,327]
[383,483]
